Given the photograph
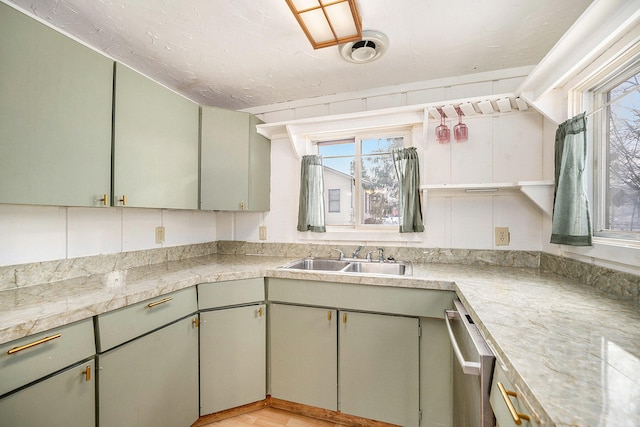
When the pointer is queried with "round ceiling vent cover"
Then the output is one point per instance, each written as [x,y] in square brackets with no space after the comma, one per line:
[372,46]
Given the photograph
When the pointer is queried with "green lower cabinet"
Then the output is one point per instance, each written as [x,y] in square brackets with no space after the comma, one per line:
[232,357]
[63,400]
[379,376]
[152,380]
[304,363]
[359,363]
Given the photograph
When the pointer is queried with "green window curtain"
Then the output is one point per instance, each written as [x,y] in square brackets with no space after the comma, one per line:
[407,168]
[311,203]
[571,221]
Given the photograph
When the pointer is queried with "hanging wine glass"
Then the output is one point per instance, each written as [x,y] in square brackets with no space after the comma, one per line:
[443,134]
[460,131]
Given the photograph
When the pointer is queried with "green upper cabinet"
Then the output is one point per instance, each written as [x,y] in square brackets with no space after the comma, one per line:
[155,159]
[55,116]
[235,162]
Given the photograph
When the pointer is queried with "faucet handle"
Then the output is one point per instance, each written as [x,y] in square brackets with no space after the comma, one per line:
[369,255]
[341,256]
[380,254]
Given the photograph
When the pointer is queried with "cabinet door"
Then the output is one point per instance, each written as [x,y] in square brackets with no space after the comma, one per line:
[151,381]
[55,116]
[304,355]
[379,367]
[63,400]
[235,165]
[155,144]
[225,159]
[232,358]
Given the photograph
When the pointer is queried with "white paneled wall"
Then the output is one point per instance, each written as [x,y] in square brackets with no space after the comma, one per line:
[501,148]
[44,233]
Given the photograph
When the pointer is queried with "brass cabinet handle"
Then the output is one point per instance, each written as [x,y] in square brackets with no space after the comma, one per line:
[517,417]
[103,200]
[329,315]
[344,318]
[87,373]
[196,322]
[260,312]
[162,301]
[33,344]
[123,200]
[242,206]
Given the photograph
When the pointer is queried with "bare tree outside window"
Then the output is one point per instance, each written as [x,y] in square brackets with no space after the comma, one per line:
[622,211]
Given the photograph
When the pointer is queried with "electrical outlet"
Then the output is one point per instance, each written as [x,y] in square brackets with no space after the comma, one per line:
[159,234]
[503,237]
[263,232]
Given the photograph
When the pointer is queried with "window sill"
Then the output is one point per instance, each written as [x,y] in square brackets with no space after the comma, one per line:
[387,234]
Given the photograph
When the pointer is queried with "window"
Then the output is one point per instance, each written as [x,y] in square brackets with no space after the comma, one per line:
[360,174]
[616,139]
[334,200]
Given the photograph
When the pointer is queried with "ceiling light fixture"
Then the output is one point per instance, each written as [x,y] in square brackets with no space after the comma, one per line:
[328,22]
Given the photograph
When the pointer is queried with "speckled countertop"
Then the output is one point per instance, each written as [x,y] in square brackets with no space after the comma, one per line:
[573,352]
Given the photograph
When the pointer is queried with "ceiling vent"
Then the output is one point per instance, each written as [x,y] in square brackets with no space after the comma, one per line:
[372,46]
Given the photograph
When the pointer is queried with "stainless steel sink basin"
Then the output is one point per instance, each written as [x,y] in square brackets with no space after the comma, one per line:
[317,264]
[396,268]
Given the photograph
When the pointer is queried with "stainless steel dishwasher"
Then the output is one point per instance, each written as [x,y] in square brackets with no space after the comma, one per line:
[472,373]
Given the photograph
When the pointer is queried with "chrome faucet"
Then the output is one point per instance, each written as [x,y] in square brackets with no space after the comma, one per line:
[380,254]
[341,256]
[356,252]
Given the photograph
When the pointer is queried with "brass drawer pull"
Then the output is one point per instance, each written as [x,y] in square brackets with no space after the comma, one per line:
[103,199]
[33,344]
[517,417]
[162,301]
[196,322]
[344,318]
[87,373]
[123,200]
[260,312]
[329,315]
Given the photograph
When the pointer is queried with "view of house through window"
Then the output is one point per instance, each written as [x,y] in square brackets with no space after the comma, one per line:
[621,148]
[361,186]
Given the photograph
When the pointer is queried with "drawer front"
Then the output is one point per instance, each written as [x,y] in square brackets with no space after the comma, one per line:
[120,326]
[499,404]
[381,299]
[233,292]
[28,359]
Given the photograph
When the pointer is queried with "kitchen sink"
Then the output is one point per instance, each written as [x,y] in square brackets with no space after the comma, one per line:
[395,268]
[317,264]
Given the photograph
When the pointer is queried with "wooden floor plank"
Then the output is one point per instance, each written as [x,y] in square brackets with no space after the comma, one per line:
[271,417]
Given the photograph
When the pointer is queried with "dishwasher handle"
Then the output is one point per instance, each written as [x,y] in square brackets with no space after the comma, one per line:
[469,368]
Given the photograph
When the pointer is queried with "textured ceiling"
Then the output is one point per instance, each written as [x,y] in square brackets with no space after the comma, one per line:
[244,53]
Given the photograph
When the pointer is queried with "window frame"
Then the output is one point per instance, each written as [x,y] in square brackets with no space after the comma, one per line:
[359,201]
[593,99]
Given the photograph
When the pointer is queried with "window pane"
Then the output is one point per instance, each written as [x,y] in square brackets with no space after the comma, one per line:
[379,181]
[623,172]
[339,177]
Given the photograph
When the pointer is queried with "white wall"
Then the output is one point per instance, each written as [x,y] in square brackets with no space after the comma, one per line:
[44,233]
[505,147]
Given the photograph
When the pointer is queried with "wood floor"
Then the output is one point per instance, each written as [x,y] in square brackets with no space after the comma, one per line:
[271,417]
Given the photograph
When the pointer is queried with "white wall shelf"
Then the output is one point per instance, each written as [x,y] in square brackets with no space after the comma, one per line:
[539,192]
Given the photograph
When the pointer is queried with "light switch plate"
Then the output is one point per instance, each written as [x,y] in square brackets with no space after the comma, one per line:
[263,232]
